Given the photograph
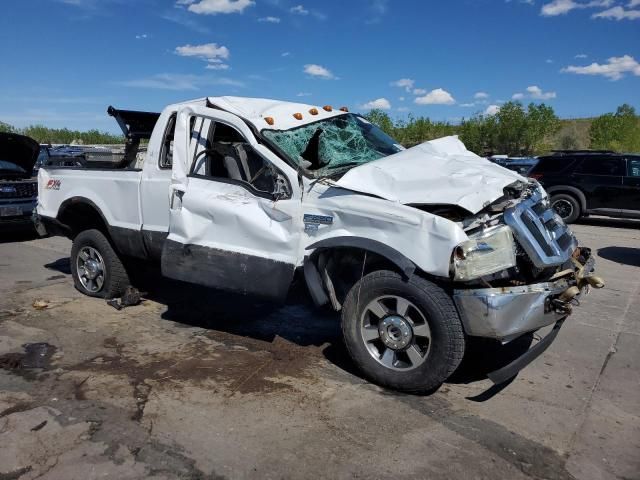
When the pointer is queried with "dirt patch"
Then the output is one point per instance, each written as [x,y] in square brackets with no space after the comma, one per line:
[36,356]
[240,365]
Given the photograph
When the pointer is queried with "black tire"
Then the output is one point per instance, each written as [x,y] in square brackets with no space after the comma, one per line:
[447,340]
[114,278]
[567,206]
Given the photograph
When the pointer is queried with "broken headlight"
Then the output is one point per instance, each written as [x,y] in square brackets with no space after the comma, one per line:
[486,252]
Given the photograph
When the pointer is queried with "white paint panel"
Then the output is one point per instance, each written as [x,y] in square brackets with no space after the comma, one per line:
[442,171]
[115,193]
[425,239]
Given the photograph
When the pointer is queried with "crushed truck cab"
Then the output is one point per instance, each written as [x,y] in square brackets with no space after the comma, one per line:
[419,248]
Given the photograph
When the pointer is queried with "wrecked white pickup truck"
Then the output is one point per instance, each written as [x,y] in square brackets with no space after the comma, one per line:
[419,248]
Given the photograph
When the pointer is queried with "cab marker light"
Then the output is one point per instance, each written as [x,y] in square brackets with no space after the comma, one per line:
[344,109]
[327,108]
[313,111]
[297,116]
[269,120]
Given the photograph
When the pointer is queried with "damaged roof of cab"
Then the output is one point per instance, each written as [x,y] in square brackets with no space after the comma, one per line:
[257,110]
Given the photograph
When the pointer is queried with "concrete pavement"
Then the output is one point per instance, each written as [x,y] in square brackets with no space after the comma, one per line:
[194,384]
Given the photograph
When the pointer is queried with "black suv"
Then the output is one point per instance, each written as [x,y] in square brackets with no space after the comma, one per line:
[583,182]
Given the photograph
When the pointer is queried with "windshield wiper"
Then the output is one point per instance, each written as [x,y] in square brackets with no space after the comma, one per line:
[312,152]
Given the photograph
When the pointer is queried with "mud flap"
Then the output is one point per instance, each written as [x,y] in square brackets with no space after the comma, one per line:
[508,372]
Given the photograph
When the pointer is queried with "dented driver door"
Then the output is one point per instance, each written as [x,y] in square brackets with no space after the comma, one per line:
[231,225]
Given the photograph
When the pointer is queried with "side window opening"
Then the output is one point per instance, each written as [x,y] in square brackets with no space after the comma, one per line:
[609,166]
[228,156]
[634,167]
[166,152]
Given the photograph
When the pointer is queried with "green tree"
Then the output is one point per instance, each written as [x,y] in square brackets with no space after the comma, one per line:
[479,134]
[618,131]
[6,128]
[381,119]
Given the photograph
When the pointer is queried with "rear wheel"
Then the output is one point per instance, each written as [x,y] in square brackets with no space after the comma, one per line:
[404,335]
[566,206]
[97,271]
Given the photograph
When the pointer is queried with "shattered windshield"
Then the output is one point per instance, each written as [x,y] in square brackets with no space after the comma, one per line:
[334,145]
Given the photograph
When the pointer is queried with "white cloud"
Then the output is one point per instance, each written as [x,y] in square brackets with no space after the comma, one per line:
[562,7]
[269,19]
[614,69]
[303,94]
[377,8]
[548,60]
[492,110]
[318,71]
[436,97]
[468,105]
[618,13]
[285,54]
[401,99]
[405,83]
[634,3]
[299,10]
[142,36]
[209,52]
[402,109]
[381,103]
[481,95]
[419,91]
[217,66]
[215,7]
[582,55]
[534,92]
[173,81]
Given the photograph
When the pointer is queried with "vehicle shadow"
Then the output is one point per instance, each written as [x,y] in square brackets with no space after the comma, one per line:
[62,265]
[610,222]
[18,234]
[623,255]
[297,322]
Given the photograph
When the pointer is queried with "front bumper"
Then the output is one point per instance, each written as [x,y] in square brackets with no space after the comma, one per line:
[506,313]
[21,211]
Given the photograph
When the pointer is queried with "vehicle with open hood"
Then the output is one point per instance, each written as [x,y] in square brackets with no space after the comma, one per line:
[419,249]
[18,182]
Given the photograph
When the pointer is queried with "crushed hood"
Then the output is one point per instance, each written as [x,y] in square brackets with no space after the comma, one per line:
[439,172]
[19,150]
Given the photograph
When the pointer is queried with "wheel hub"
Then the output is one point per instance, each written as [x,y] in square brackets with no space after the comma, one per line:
[563,208]
[92,267]
[395,332]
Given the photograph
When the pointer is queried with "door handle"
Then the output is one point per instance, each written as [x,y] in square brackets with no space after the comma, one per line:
[176,199]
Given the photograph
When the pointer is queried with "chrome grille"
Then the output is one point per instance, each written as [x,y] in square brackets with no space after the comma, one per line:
[18,190]
[543,235]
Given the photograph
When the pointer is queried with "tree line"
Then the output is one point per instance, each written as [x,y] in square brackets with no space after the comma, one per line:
[517,130]
[514,130]
[66,136]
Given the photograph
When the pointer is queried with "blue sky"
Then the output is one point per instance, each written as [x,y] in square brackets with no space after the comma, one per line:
[65,61]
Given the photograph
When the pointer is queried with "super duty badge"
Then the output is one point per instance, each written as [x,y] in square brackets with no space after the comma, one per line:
[312,222]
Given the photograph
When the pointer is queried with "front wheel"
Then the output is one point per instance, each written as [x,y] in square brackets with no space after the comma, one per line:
[404,335]
[566,206]
[97,271]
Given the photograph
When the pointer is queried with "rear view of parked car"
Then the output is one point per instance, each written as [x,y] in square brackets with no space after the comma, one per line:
[18,184]
[587,182]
